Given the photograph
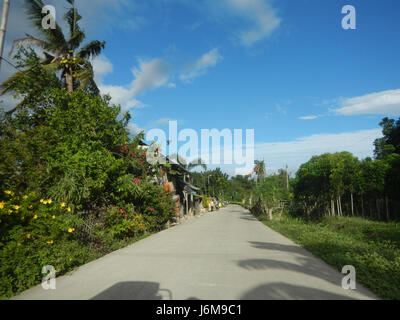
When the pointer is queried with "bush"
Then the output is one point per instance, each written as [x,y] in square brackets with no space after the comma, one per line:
[78,186]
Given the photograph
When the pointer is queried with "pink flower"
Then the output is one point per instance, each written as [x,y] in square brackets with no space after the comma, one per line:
[136,180]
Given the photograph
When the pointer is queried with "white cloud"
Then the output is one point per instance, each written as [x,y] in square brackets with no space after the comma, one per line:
[262,16]
[383,103]
[101,67]
[201,65]
[164,121]
[300,150]
[134,129]
[150,75]
[308,117]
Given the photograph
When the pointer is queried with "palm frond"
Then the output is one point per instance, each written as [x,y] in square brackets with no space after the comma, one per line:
[9,84]
[55,37]
[92,49]
[52,67]
[76,34]
[85,74]
[30,40]
[76,40]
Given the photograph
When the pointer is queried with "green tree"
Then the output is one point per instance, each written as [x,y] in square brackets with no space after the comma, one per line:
[63,54]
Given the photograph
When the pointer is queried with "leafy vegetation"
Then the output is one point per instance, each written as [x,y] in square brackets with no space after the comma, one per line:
[74,185]
[372,247]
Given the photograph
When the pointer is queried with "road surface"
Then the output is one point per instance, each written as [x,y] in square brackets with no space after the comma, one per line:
[223,255]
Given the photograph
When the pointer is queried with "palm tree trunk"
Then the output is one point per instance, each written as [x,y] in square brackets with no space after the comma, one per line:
[69,80]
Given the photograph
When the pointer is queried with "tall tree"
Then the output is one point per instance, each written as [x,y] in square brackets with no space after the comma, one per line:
[260,170]
[62,53]
[390,142]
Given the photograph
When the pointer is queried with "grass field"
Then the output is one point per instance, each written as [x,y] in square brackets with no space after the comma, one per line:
[373,248]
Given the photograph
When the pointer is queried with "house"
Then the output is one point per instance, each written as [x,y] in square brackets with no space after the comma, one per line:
[187,197]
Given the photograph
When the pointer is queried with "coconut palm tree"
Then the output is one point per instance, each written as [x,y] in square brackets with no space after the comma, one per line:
[260,170]
[64,54]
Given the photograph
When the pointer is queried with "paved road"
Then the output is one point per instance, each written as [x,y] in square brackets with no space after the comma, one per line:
[222,255]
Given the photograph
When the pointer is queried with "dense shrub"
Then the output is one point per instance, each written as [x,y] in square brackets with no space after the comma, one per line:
[73,184]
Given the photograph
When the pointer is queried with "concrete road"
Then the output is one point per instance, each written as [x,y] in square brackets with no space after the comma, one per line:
[223,255]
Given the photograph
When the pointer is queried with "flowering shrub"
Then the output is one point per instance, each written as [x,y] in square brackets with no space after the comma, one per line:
[24,219]
[124,222]
[156,206]
[74,154]
[33,233]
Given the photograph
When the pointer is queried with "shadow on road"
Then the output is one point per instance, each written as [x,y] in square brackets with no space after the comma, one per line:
[135,290]
[248,218]
[305,265]
[284,291]
[277,247]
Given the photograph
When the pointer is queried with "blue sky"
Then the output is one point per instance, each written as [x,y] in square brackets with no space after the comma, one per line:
[285,68]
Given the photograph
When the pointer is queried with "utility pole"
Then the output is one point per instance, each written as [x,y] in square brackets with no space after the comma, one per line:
[4,16]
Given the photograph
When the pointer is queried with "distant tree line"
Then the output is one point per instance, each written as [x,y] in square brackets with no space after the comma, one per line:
[340,184]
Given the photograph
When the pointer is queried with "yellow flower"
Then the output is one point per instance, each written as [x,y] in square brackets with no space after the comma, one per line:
[41,201]
[8,192]
[31,206]
[49,201]
[50,242]
[10,211]
[69,209]
[28,236]
[25,197]
[2,204]
[35,216]
[17,207]
[53,217]
[62,204]
[70,230]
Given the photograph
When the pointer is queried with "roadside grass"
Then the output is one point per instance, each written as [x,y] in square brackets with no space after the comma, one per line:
[372,247]
[21,267]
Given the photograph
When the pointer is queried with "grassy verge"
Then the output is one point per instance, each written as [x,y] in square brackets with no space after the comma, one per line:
[373,248]
[21,267]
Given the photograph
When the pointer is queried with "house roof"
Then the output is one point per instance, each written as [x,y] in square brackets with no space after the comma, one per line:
[191,188]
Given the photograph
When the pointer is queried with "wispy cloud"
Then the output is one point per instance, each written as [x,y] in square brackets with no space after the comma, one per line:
[201,65]
[281,109]
[382,103]
[259,14]
[134,129]
[300,150]
[147,75]
[308,117]
[150,75]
